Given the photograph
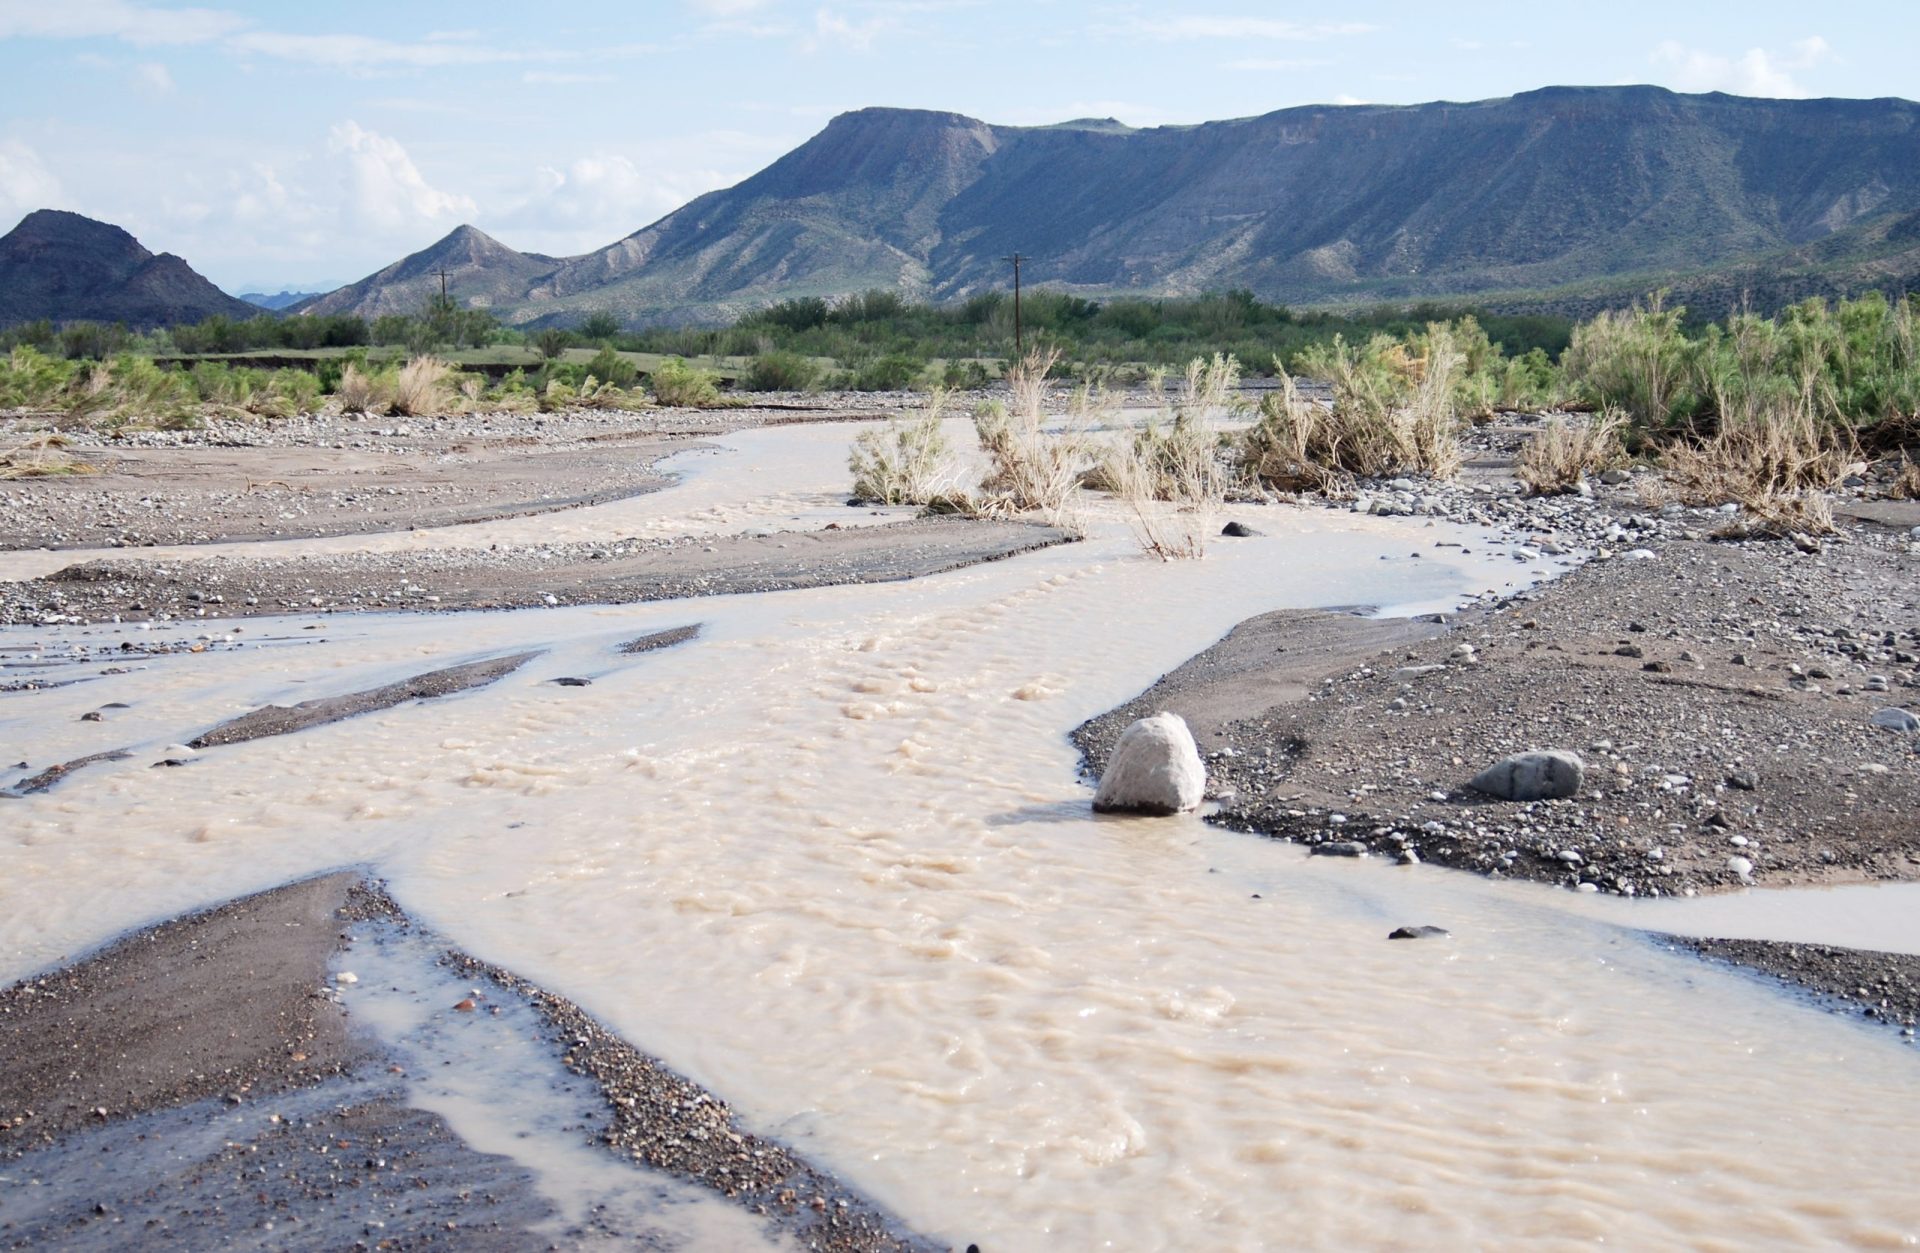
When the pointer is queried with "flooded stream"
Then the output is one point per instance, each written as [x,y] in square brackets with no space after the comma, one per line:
[833,860]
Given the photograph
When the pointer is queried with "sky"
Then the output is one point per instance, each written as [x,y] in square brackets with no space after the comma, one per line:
[302,145]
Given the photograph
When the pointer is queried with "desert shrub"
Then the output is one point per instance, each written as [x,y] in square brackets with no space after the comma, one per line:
[677,384]
[907,461]
[1638,361]
[30,379]
[130,389]
[610,367]
[894,372]
[1394,411]
[778,371]
[552,341]
[1562,454]
[1906,485]
[968,375]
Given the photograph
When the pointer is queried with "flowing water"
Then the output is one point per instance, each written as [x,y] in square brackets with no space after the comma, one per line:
[833,860]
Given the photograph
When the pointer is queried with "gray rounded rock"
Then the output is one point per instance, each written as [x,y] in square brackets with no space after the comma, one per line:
[1552,774]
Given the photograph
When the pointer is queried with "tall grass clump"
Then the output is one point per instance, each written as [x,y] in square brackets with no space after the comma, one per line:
[1776,463]
[1170,476]
[30,379]
[909,462]
[781,372]
[1394,411]
[129,390]
[1639,361]
[421,388]
[1560,457]
[1029,469]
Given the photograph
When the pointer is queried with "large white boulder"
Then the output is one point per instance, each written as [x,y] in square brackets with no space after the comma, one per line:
[1155,769]
[1543,776]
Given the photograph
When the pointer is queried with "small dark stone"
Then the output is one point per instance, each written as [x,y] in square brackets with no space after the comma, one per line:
[571,681]
[1629,650]
[1657,667]
[90,716]
[171,761]
[1341,848]
[1239,530]
[1743,781]
[1419,933]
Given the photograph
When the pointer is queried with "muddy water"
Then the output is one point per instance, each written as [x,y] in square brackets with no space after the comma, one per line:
[832,859]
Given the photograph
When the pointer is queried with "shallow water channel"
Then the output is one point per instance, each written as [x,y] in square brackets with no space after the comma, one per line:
[833,859]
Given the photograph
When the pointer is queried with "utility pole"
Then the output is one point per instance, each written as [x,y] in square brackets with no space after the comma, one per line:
[442,272]
[1019,340]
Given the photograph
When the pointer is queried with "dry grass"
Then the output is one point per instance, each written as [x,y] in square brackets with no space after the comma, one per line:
[1030,470]
[359,391]
[420,389]
[1907,485]
[1776,465]
[1560,457]
[1170,477]
[40,457]
[908,462]
[1392,413]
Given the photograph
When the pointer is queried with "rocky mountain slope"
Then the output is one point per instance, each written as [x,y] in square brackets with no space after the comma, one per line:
[66,267]
[481,272]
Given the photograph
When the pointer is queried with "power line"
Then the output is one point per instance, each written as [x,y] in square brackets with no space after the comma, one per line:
[1019,340]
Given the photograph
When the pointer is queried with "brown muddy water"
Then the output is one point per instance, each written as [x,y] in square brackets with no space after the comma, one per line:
[833,860]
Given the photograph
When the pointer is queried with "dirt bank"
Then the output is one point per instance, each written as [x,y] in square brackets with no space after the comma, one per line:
[1882,986]
[613,572]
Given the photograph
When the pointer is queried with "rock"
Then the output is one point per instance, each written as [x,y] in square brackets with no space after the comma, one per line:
[1740,866]
[1614,478]
[1553,774]
[1239,530]
[1339,848]
[1896,720]
[1419,933]
[1155,769]
[1743,781]
[573,681]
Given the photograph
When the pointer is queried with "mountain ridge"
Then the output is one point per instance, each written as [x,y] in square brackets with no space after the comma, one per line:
[64,267]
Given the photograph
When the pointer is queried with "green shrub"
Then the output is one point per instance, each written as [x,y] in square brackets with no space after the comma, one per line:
[609,366]
[31,379]
[780,372]
[895,372]
[677,384]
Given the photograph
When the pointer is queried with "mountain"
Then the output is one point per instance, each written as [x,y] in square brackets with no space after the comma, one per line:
[277,301]
[480,272]
[66,267]
[1562,197]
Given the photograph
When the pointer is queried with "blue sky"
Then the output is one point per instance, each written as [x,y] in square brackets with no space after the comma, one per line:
[307,144]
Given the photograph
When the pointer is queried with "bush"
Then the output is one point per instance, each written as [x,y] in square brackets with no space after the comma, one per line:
[30,379]
[420,388]
[363,392]
[1557,459]
[1394,412]
[780,372]
[677,384]
[906,462]
[895,372]
[1170,477]
[1030,470]
[609,366]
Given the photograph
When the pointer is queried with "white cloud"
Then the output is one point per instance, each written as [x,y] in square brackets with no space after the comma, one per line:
[830,27]
[114,19]
[385,191]
[153,78]
[1196,26]
[729,8]
[1275,63]
[563,78]
[1755,72]
[363,52]
[26,183]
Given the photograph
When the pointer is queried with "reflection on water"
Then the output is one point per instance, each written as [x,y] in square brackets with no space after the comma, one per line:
[833,860]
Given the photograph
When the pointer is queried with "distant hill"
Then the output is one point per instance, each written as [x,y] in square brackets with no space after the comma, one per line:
[66,267]
[481,272]
[1563,188]
[278,300]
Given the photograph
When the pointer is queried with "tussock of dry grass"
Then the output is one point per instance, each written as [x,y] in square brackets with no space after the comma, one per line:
[1777,466]
[908,462]
[1030,471]
[42,456]
[1170,477]
[1561,455]
[1907,485]
[420,389]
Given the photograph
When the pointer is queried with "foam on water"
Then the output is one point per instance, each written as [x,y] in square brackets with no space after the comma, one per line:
[833,860]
